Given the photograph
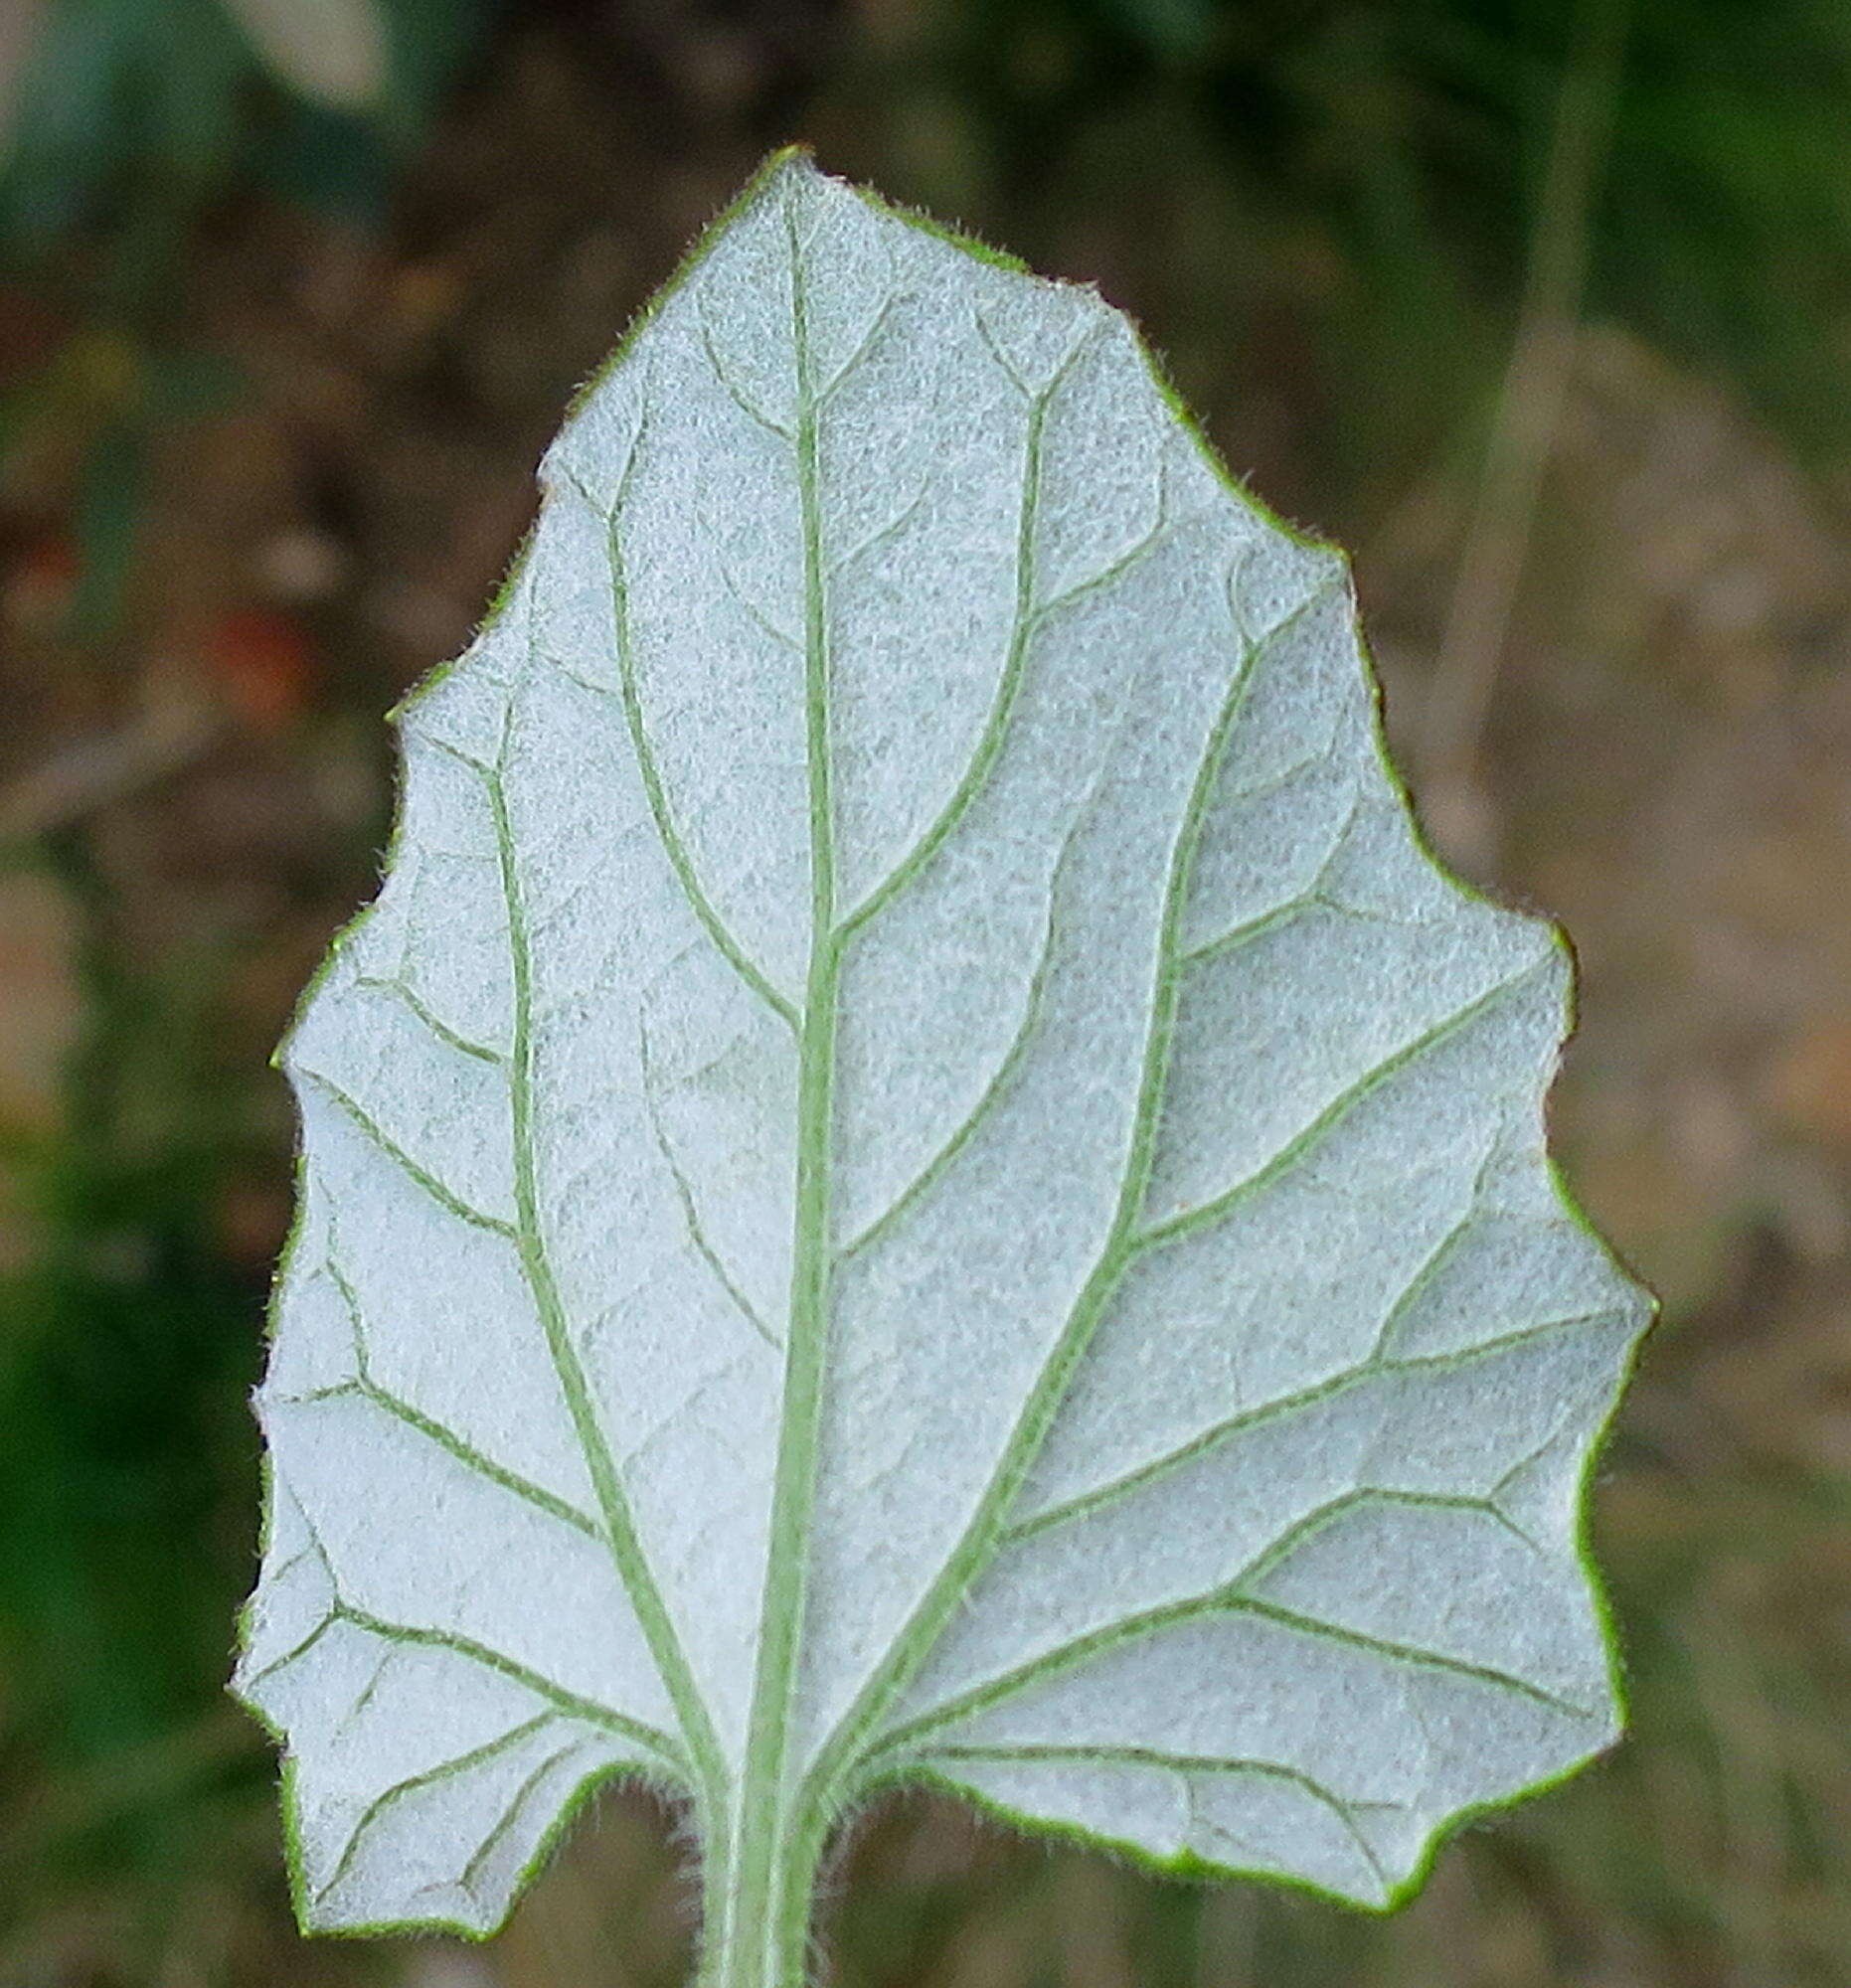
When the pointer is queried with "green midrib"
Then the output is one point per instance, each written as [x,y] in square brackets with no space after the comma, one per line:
[767,1907]
[850,1743]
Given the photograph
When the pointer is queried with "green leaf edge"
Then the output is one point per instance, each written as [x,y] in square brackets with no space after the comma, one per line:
[1186,1866]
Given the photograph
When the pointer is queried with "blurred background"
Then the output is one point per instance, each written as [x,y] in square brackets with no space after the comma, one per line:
[1541,306]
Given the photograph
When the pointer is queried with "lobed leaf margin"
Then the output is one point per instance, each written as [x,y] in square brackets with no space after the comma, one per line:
[845,1794]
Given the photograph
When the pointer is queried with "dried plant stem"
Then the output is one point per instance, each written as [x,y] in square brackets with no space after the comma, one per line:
[1523,431]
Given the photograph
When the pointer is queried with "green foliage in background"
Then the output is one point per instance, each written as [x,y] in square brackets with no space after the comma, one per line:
[1399,150]
[124,1356]
[128,115]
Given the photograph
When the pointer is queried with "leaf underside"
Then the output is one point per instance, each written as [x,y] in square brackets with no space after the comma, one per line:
[913,1174]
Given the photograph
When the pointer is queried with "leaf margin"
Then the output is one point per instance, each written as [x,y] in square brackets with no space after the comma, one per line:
[821,1809]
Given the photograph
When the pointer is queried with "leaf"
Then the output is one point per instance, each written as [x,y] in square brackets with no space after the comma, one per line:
[335,53]
[914,1175]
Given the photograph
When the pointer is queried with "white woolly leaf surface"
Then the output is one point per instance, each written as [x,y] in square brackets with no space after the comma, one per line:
[915,1174]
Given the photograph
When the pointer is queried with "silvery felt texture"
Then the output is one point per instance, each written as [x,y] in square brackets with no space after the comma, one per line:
[913,1140]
